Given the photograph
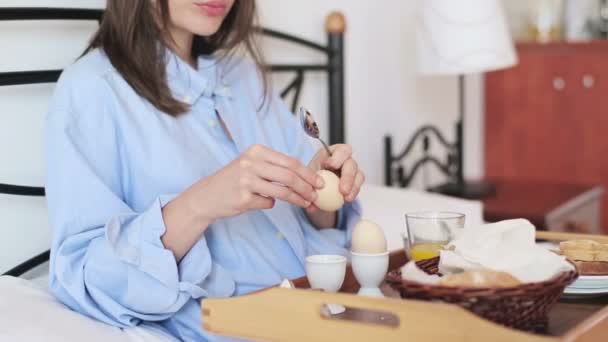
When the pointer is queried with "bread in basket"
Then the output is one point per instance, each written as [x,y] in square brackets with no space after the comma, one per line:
[524,307]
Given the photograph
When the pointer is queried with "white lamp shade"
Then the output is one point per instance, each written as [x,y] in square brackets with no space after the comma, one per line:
[457,37]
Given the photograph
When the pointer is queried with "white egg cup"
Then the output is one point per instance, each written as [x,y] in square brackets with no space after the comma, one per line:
[327,272]
[370,270]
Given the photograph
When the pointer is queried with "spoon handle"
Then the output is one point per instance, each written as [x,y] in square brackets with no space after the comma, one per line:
[337,172]
[326,147]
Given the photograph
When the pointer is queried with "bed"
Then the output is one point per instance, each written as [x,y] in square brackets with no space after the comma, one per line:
[23,287]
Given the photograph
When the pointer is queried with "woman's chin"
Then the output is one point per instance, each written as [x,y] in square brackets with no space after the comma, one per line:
[205,30]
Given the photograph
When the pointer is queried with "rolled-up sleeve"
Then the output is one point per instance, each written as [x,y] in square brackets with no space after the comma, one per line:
[108,260]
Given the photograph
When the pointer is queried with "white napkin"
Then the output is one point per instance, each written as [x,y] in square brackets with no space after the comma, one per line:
[412,272]
[507,246]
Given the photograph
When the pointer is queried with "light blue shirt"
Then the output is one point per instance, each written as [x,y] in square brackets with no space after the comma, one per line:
[114,161]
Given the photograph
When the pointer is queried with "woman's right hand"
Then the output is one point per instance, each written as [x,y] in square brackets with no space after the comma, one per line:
[252,182]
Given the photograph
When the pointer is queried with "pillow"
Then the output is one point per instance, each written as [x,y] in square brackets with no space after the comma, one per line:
[31,313]
[388,206]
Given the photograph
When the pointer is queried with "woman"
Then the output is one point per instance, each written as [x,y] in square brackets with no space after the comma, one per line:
[174,175]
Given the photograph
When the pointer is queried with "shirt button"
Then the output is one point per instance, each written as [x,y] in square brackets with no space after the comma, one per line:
[187,99]
[212,123]
[280,236]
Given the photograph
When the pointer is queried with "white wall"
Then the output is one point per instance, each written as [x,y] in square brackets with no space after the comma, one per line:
[383,94]
[23,221]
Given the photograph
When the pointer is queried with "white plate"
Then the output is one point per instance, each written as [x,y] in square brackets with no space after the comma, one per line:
[590,282]
[570,292]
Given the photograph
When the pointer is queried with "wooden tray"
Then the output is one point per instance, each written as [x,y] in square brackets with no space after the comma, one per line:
[297,315]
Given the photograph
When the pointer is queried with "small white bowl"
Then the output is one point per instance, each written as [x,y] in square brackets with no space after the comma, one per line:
[326,271]
[370,270]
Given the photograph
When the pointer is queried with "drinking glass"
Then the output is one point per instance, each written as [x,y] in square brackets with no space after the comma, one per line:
[428,232]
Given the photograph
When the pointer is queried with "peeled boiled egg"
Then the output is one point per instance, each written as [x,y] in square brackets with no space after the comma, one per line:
[368,238]
[329,197]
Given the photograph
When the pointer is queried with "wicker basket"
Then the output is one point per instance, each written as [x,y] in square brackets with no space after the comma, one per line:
[524,307]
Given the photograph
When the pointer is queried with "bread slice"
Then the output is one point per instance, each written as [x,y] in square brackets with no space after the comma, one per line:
[579,254]
[480,279]
[602,247]
[578,245]
[590,257]
[601,256]
[592,267]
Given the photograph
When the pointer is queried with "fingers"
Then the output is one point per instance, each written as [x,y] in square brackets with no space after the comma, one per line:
[312,209]
[261,202]
[359,180]
[340,154]
[286,177]
[260,152]
[347,178]
[268,189]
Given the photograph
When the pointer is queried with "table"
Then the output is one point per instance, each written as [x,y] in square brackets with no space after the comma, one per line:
[569,313]
[549,206]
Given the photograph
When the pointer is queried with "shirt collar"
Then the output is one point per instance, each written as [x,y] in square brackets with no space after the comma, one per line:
[188,84]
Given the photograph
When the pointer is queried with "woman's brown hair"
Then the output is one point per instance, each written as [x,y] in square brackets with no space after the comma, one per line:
[130,34]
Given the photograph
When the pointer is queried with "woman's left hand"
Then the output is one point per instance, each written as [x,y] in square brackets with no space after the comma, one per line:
[341,160]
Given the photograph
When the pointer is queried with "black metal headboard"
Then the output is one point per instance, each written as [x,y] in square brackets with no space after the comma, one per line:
[334,67]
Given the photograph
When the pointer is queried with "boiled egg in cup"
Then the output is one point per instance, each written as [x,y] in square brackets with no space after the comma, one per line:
[369,257]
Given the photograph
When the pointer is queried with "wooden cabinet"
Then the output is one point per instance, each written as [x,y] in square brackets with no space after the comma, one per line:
[546,119]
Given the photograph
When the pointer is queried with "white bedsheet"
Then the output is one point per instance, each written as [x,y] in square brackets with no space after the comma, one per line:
[29,312]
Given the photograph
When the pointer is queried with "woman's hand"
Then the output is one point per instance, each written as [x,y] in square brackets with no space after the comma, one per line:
[251,182]
[351,179]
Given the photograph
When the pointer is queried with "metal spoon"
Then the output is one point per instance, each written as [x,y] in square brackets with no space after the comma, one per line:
[309,125]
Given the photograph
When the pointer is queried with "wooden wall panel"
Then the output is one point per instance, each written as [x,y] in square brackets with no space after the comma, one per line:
[547,118]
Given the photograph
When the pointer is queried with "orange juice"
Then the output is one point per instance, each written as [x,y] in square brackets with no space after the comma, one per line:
[425,251]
